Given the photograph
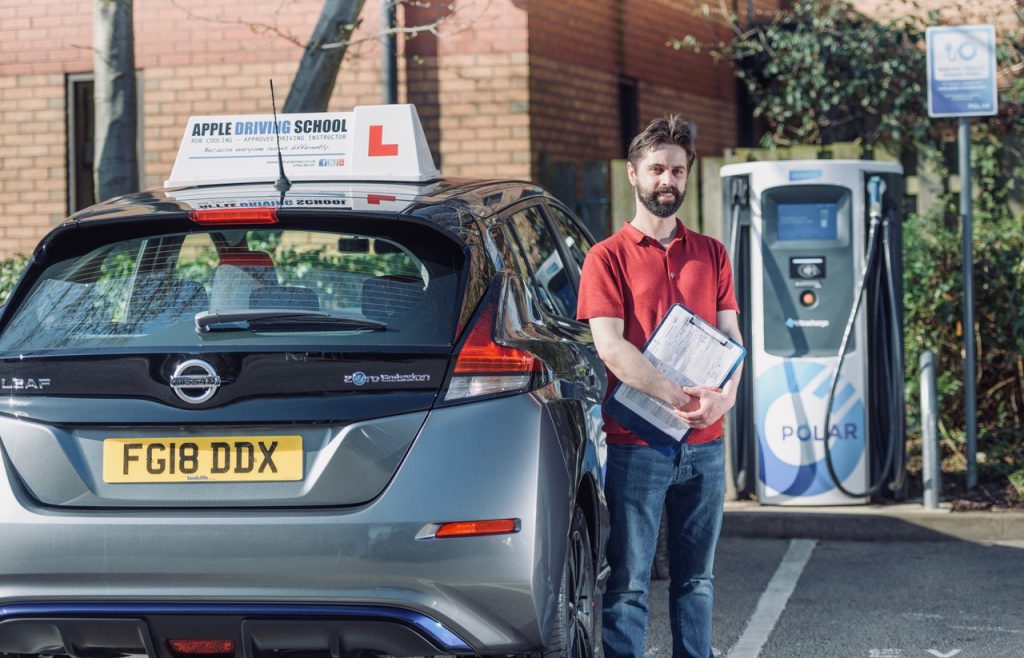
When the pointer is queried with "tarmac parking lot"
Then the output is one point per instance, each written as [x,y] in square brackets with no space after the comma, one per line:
[814,598]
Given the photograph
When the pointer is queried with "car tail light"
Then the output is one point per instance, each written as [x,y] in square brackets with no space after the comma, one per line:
[229,216]
[204,648]
[485,367]
[477,528]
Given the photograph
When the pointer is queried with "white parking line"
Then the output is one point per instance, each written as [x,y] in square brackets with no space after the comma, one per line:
[990,629]
[773,600]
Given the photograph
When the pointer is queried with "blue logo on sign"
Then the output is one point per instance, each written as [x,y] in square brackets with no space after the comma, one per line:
[803,431]
[358,378]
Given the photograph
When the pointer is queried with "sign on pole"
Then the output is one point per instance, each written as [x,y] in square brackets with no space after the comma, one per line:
[962,71]
[962,83]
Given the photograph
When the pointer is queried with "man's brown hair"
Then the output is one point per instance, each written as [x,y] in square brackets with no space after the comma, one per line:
[671,129]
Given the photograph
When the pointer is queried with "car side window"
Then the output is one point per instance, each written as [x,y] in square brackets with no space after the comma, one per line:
[577,244]
[549,279]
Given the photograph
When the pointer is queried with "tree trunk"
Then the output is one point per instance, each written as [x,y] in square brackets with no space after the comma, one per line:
[116,169]
[318,70]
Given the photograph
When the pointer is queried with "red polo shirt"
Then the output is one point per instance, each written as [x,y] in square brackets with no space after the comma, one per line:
[633,277]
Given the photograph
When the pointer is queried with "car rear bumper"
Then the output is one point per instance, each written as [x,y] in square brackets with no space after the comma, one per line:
[145,629]
[495,594]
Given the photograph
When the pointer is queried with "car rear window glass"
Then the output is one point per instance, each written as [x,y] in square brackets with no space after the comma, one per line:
[269,288]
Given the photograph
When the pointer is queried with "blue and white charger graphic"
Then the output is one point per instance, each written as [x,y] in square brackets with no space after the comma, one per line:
[789,403]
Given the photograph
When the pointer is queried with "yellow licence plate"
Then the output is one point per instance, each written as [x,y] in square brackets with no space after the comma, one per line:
[205,459]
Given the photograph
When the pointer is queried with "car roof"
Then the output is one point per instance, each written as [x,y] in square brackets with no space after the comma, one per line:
[477,199]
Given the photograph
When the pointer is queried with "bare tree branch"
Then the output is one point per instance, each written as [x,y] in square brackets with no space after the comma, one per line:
[433,28]
[256,27]
[263,28]
[321,60]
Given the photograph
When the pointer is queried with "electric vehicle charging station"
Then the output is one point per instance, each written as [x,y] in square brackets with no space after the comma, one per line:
[806,239]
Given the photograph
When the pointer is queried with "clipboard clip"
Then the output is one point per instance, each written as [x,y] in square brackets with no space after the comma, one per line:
[708,329]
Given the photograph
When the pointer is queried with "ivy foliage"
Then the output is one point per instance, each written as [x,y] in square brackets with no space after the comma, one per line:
[823,72]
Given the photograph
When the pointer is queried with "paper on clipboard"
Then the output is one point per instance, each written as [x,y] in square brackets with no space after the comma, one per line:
[688,351]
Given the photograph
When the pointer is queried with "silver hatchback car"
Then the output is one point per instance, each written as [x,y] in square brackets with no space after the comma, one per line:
[362,421]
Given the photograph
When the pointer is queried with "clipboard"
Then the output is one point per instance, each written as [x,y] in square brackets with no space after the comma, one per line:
[689,351]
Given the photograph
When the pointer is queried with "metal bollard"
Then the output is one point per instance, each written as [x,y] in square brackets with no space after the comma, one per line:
[930,472]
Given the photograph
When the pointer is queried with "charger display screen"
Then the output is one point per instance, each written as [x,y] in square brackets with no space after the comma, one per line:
[807,221]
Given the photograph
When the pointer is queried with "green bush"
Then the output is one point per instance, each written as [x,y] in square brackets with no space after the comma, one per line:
[10,272]
[933,307]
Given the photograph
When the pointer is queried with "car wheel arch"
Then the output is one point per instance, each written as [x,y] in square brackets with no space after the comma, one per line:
[587,498]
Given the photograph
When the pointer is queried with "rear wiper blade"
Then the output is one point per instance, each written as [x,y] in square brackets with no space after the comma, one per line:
[294,319]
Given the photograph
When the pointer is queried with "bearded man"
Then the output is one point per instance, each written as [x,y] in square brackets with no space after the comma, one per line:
[628,284]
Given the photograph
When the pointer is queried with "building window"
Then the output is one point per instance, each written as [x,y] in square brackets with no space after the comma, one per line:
[81,120]
[81,147]
[629,112]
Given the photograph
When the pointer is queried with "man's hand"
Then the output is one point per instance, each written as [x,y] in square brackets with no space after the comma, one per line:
[712,405]
[674,395]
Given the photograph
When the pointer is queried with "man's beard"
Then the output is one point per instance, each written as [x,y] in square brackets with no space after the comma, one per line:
[650,200]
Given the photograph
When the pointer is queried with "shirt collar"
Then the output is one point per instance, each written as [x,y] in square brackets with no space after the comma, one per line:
[638,236]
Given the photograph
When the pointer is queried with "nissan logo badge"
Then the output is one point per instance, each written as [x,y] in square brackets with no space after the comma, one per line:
[195,381]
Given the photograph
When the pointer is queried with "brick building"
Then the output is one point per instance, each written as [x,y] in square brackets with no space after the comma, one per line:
[548,90]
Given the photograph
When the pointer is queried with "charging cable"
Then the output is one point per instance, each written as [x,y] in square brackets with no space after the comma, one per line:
[895,454]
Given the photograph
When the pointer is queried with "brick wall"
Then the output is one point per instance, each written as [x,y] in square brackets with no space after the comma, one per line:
[199,57]
[580,51]
[215,56]
[484,117]
[31,158]
[470,87]
[508,86]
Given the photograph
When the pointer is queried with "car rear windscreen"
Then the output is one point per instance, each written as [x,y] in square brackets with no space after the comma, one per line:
[239,288]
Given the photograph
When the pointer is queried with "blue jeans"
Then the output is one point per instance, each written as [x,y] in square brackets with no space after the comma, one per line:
[690,480]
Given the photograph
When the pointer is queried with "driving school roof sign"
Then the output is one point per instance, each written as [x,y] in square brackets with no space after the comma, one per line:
[373,142]
[962,71]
